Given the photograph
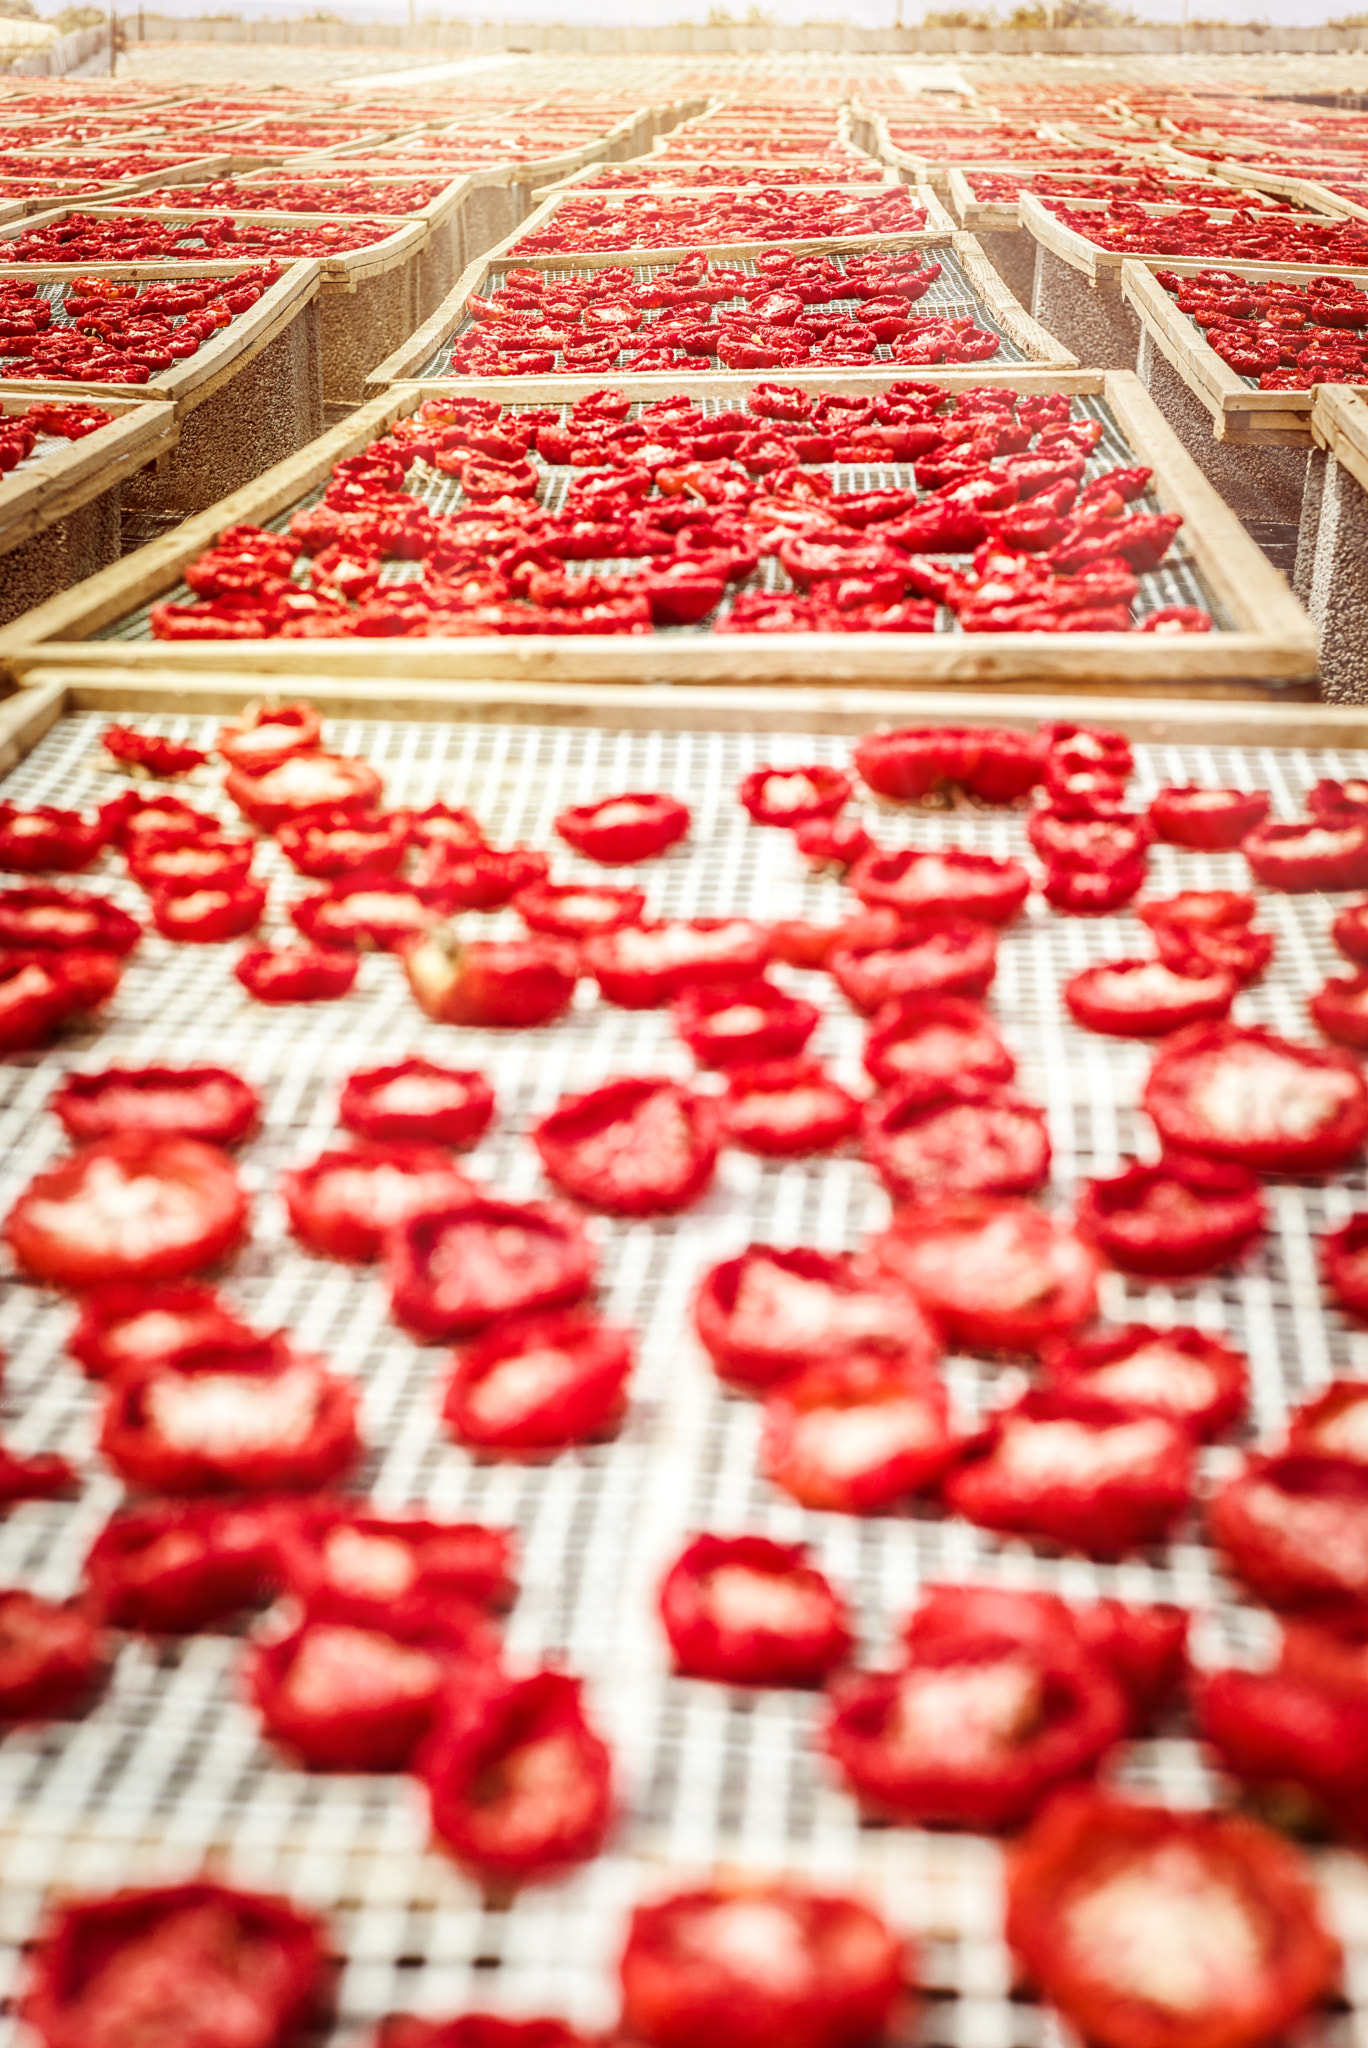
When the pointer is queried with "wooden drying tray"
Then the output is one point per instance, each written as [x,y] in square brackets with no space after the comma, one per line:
[189,383]
[116,189]
[1305,193]
[1003,216]
[938,222]
[1339,422]
[1101,268]
[1240,414]
[50,487]
[935,171]
[742,172]
[1270,650]
[435,212]
[990,292]
[338,273]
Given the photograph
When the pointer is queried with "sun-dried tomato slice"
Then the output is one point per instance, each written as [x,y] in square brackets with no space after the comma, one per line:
[188,1962]
[1349,932]
[769,1316]
[268,734]
[478,2030]
[577,910]
[857,1436]
[928,1138]
[1079,889]
[149,753]
[634,1147]
[1199,949]
[974,1730]
[1299,1731]
[134,1207]
[936,1038]
[456,1269]
[416,1101]
[296,974]
[47,840]
[794,796]
[1294,1527]
[133,1323]
[1139,998]
[1153,1929]
[1179,1218]
[343,1694]
[303,782]
[326,843]
[478,878]
[53,920]
[342,1203]
[1344,1255]
[1340,1007]
[36,996]
[737,1024]
[1243,1094]
[1335,1421]
[231,1420]
[948,882]
[833,843]
[518,1781]
[208,916]
[992,763]
[509,984]
[540,1382]
[341,1558]
[997,1275]
[1137,1369]
[178,1567]
[208,1103]
[618,830]
[50,1655]
[641,966]
[745,1611]
[1209,820]
[1317,854]
[364,910]
[786,1109]
[760,1965]
[930,954]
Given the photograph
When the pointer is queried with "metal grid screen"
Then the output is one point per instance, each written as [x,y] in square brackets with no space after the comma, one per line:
[167,1771]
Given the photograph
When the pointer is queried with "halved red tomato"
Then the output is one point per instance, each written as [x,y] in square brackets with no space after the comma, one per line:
[770,1315]
[997,1275]
[1243,1094]
[1184,1216]
[620,829]
[133,1207]
[302,782]
[634,1147]
[1316,854]
[208,1103]
[1211,820]
[576,910]
[510,984]
[948,882]
[937,1037]
[342,1204]
[540,1382]
[857,1436]
[178,1567]
[931,954]
[1340,1007]
[794,796]
[1334,1421]
[736,1024]
[1137,1369]
[786,1109]
[415,1101]
[135,1323]
[929,1138]
[640,966]
[340,1557]
[268,734]
[742,1610]
[50,1655]
[1294,1527]
[1143,998]
[454,1270]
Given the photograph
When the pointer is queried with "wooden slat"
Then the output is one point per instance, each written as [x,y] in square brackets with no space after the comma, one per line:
[1339,422]
[1102,267]
[40,493]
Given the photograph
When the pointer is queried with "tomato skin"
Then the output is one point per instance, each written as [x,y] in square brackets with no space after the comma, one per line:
[1345,1265]
[68,1258]
[444,1304]
[675,1993]
[268,734]
[507,984]
[106,1337]
[930,954]
[1188,817]
[1181,1217]
[1104,1515]
[791,1452]
[830,793]
[754,1112]
[143,1455]
[100,1105]
[1290,1728]
[216,1557]
[706,951]
[59,920]
[784,1027]
[206,916]
[927,1139]
[1350,932]
[477,2030]
[1063,1291]
[661,821]
[993,763]
[886,1318]
[1076,1366]
[547,907]
[629,1181]
[277,1957]
[301,783]
[1286,857]
[350,1223]
[1340,1008]
[585,1409]
[461,1118]
[483,1738]
[422,1565]
[950,883]
[1084,1838]
[707,1645]
[1184,1126]
[928,1027]
[52,1655]
[1098,1003]
[296,974]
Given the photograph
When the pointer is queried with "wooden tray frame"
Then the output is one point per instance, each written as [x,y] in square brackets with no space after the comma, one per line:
[1246,418]
[43,492]
[1101,268]
[406,364]
[1000,216]
[1273,646]
[340,273]
[1307,193]
[938,222]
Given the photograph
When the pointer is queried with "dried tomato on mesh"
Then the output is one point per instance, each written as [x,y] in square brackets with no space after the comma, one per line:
[1201,929]
[1243,1094]
[1297,1732]
[510,984]
[178,867]
[331,842]
[1179,1218]
[454,1270]
[794,796]
[45,839]
[689,1970]
[577,910]
[936,1038]
[54,920]
[1210,820]
[518,1781]
[1350,932]
[1294,1528]
[194,1962]
[364,910]
[50,1656]
[36,996]
[1340,1007]
[296,974]
[139,1206]
[1055,1466]
[478,878]
[208,916]
[267,734]
[1317,854]
[742,1610]
[1205,1888]
[858,1435]
[736,1024]
[1080,889]
[995,1274]
[770,1315]
[835,843]
[1137,1369]
[127,1323]
[948,883]
[1334,1421]
[617,830]
[341,1558]
[641,966]
[537,1383]
[177,1567]
[634,1147]
[787,1108]
[208,1103]
[342,1203]
[416,1101]
[303,782]
[1344,1256]
[992,763]
[930,954]
[928,1137]
[153,755]
[975,1729]
[1139,998]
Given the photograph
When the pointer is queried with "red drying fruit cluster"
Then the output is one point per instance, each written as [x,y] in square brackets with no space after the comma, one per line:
[20,431]
[580,224]
[698,499]
[740,175]
[1286,336]
[132,238]
[792,310]
[104,330]
[333,194]
[1122,181]
[1132,228]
